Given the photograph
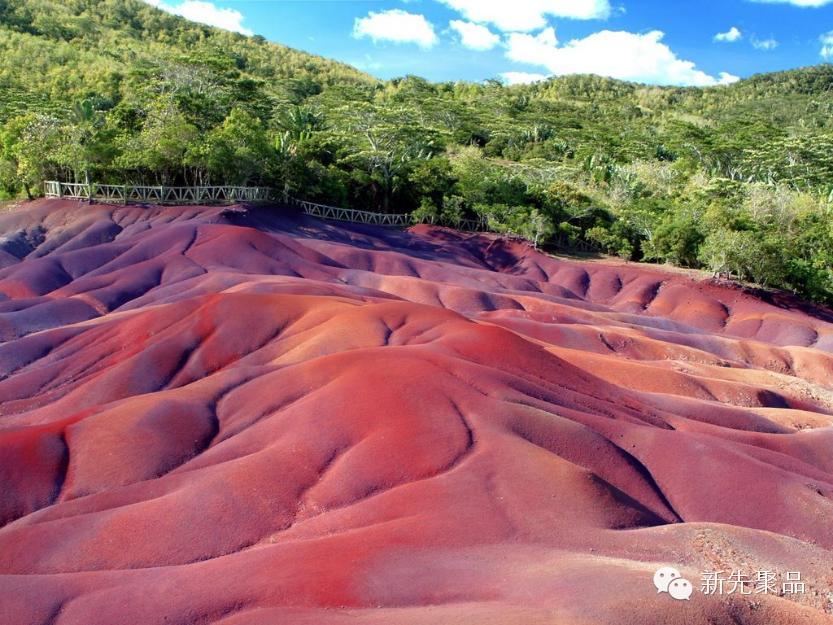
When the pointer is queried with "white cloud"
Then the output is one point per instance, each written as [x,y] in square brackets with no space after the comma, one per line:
[764,44]
[396,25]
[798,3]
[730,36]
[617,54]
[205,13]
[367,64]
[827,46]
[526,15]
[475,36]
[725,78]
[522,78]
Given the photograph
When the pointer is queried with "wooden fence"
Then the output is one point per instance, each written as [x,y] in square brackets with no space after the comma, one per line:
[139,194]
[129,194]
[397,220]
[322,211]
[469,225]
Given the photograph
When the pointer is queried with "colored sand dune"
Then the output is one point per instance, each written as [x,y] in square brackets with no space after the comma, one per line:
[232,415]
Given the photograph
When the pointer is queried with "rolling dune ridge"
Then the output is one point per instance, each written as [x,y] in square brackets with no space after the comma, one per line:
[240,416]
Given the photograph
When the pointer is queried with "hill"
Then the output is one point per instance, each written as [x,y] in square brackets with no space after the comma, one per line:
[237,416]
[735,179]
[59,53]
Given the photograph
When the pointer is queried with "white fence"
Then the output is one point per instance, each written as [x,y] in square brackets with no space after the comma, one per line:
[139,194]
[127,194]
[469,225]
[322,211]
[397,220]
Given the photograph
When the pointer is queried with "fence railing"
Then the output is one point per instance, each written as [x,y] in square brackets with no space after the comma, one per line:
[400,220]
[323,211]
[142,194]
[469,225]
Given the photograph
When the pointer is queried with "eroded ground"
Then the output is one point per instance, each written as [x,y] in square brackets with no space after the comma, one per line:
[234,416]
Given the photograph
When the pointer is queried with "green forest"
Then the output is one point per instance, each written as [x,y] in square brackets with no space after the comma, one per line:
[736,180]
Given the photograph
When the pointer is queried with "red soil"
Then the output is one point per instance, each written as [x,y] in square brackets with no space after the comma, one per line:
[239,417]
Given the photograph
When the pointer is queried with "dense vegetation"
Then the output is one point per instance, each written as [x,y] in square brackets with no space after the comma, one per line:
[737,179]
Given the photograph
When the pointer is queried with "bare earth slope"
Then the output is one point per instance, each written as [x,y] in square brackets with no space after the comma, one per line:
[238,416]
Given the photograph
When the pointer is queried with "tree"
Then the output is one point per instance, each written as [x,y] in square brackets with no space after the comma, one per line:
[28,144]
[677,240]
[160,148]
[385,144]
[237,151]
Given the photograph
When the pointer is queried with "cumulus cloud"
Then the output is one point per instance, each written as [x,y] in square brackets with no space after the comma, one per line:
[522,78]
[617,54]
[764,44]
[725,78]
[827,46]
[527,15]
[205,13]
[396,25]
[798,3]
[475,36]
[730,36]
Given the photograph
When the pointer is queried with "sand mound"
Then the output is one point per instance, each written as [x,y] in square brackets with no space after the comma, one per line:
[239,416]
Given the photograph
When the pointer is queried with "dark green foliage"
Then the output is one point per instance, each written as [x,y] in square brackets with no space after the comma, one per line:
[737,179]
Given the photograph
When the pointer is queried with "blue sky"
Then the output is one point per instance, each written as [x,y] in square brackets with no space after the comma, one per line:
[697,42]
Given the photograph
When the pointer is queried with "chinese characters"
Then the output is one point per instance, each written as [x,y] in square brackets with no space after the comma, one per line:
[758,583]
